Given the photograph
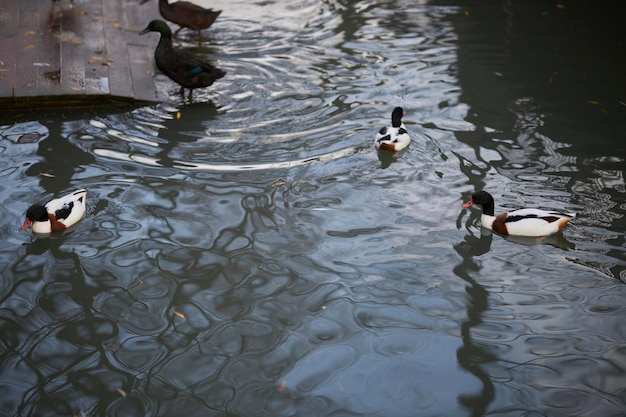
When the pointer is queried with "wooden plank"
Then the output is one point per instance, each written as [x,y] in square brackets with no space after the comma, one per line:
[141,49]
[142,70]
[92,52]
[71,36]
[119,75]
[28,47]
[98,61]
[55,54]
[8,40]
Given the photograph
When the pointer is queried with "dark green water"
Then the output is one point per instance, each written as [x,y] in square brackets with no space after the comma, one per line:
[249,254]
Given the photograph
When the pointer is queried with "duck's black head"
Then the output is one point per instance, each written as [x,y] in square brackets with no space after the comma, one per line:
[158,26]
[483,199]
[396,117]
[37,213]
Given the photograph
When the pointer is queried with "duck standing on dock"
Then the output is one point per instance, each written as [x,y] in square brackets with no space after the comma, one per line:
[394,137]
[523,222]
[58,214]
[186,14]
[180,65]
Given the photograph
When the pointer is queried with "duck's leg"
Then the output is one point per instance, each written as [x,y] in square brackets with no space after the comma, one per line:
[182,91]
[190,94]
[175,35]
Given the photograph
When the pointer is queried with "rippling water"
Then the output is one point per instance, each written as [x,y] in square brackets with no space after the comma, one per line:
[249,254]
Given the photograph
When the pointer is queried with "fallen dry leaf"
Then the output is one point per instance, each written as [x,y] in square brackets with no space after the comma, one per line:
[70,37]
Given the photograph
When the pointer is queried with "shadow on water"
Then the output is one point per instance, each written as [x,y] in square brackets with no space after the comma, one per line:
[471,356]
[78,338]
[58,165]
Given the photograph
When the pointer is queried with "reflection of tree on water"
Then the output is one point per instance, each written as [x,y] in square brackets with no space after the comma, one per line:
[471,356]
[64,342]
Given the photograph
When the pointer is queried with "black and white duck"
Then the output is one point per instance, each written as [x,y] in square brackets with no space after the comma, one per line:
[394,137]
[58,214]
[523,222]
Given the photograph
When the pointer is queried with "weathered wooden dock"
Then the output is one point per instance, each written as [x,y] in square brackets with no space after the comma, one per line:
[83,53]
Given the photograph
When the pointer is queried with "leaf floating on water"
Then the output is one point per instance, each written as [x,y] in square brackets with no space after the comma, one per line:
[593,102]
[121,392]
[282,386]
[560,6]
[278,183]
[45,174]
[177,115]
[31,33]
[181,315]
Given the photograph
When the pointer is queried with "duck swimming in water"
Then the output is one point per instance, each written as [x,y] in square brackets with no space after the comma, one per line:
[394,137]
[180,65]
[58,214]
[523,222]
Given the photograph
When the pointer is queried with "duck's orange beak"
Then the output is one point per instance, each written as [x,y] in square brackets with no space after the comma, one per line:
[470,203]
[27,223]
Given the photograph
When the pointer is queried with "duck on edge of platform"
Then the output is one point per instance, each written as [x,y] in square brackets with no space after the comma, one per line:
[186,14]
[180,65]
[57,214]
[394,137]
[524,222]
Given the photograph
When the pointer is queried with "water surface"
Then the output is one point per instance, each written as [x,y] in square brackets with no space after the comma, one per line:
[249,254]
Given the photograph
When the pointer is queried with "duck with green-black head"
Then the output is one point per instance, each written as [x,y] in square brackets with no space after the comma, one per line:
[180,65]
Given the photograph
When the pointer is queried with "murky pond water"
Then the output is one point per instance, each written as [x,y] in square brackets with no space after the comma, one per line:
[249,254]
